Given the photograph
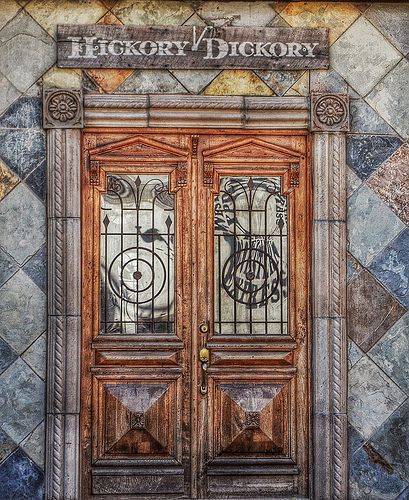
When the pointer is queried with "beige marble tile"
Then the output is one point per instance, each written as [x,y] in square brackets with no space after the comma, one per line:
[153,12]
[302,85]
[236,13]
[62,78]
[49,13]
[195,80]
[7,180]
[237,82]
[335,16]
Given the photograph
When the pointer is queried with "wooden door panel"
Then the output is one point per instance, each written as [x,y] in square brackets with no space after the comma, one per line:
[171,271]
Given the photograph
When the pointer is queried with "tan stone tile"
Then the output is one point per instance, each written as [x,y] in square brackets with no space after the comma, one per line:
[302,85]
[292,92]
[109,4]
[335,16]
[391,182]
[152,12]
[237,82]
[8,9]
[236,13]
[49,13]
[62,78]
[195,20]
[7,180]
[108,80]
[152,81]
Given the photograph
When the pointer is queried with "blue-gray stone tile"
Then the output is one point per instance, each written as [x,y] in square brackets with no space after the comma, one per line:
[365,120]
[21,400]
[393,22]
[353,267]
[36,268]
[327,80]
[37,180]
[22,219]
[371,225]
[7,446]
[404,495]
[23,312]
[391,440]
[33,445]
[35,355]
[7,356]
[391,267]
[391,353]
[22,150]
[372,397]
[27,51]
[371,477]
[24,113]
[8,93]
[21,478]
[353,181]
[354,354]
[366,153]
[8,267]
[355,440]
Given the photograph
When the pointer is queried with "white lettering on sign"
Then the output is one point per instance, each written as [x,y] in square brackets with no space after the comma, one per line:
[90,47]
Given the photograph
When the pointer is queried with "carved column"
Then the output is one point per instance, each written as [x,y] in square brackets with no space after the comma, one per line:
[63,118]
[329,122]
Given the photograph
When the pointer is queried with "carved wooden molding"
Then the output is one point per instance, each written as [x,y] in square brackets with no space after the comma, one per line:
[62,108]
[329,112]
[329,467]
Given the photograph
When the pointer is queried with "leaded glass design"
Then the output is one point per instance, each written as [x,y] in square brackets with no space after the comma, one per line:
[250,252]
[137,255]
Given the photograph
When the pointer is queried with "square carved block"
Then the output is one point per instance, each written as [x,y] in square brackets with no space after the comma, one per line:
[62,108]
[136,419]
[252,419]
[329,113]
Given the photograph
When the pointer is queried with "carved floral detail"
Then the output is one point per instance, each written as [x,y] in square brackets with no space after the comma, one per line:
[330,112]
[62,108]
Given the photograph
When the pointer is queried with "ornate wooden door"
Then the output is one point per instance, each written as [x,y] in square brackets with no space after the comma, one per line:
[195,371]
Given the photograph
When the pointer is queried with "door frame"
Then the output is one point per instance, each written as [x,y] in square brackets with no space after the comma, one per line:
[327,117]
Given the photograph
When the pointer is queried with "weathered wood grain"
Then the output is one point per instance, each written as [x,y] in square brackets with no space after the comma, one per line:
[191,47]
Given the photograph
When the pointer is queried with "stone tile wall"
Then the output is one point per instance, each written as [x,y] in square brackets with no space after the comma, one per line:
[369,60]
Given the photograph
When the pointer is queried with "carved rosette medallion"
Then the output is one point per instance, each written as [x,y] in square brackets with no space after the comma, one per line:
[62,108]
[329,112]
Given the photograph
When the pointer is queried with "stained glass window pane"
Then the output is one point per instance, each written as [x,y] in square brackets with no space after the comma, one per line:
[137,255]
[250,245]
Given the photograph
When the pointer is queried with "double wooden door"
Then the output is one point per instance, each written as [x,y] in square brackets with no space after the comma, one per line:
[195,352]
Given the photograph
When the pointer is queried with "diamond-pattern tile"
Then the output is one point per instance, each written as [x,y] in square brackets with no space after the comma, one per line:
[9,9]
[323,80]
[62,78]
[49,13]
[392,439]
[22,150]
[355,59]
[336,16]
[392,351]
[8,267]
[365,153]
[37,180]
[391,182]
[33,445]
[21,400]
[21,478]
[371,224]
[371,477]
[371,310]
[152,12]
[24,113]
[236,13]
[354,353]
[7,356]
[22,309]
[22,219]
[35,356]
[151,81]
[8,93]
[25,42]
[195,80]
[279,81]
[36,268]
[353,181]
[237,82]
[372,397]
[391,267]
[7,445]
[364,120]
[390,98]
[393,22]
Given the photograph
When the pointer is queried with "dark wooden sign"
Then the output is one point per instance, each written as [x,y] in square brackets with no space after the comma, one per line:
[190,47]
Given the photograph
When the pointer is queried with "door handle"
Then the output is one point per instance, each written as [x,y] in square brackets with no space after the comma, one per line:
[204,358]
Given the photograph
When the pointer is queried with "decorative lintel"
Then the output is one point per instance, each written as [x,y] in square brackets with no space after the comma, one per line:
[329,112]
[63,108]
